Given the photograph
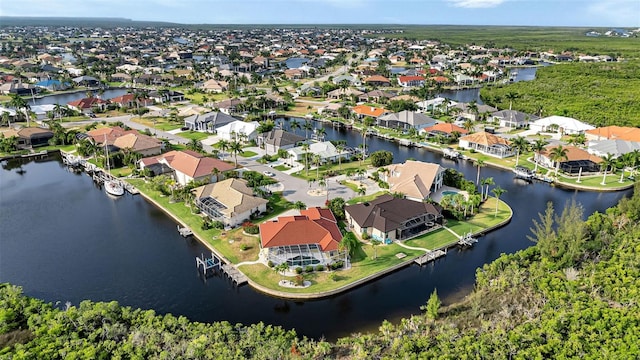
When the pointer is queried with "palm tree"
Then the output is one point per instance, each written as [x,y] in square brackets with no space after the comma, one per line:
[305,149]
[362,190]
[374,244]
[479,164]
[497,192]
[294,125]
[18,103]
[487,182]
[511,96]
[223,145]
[317,160]
[235,148]
[522,145]
[320,133]
[537,147]
[5,118]
[366,123]
[299,205]
[468,125]
[557,154]
[473,108]
[307,126]
[340,148]
[607,161]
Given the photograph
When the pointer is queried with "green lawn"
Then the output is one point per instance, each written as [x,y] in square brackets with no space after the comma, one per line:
[359,199]
[612,181]
[157,122]
[193,135]
[433,240]
[281,167]
[367,264]
[335,168]
[248,154]
[485,218]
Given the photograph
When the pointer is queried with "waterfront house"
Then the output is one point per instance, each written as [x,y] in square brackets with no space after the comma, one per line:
[86,105]
[326,150]
[416,180]
[468,113]
[239,130]
[165,96]
[277,139]
[405,120]
[228,106]
[230,201]
[613,147]
[32,137]
[130,101]
[576,159]
[208,122]
[311,238]
[560,124]
[363,111]
[446,130]
[487,143]
[139,143]
[188,165]
[389,219]
[513,118]
[376,96]
[411,81]
[613,133]
[377,80]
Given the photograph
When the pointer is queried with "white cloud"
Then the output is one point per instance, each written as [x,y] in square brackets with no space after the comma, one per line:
[616,12]
[472,4]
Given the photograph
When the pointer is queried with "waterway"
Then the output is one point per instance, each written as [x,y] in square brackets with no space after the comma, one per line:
[65,98]
[63,239]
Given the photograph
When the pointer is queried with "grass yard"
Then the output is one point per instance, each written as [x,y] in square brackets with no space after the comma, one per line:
[161,123]
[433,240]
[364,264]
[248,154]
[359,199]
[194,135]
[281,167]
[485,218]
[595,181]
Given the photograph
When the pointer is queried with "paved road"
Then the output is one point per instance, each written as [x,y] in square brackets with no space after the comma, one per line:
[293,188]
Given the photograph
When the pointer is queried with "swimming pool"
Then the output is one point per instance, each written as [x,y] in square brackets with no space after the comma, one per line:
[449,192]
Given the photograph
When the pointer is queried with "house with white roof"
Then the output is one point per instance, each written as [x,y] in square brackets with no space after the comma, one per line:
[561,124]
[326,150]
[614,147]
[233,131]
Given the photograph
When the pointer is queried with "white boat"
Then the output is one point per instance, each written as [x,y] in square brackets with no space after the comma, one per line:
[112,187]
[522,172]
[450,153]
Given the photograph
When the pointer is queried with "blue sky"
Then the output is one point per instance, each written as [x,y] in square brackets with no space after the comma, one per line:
[592,13]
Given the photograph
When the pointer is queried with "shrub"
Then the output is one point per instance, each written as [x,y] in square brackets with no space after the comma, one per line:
[337,265]
[206,224]
[217,225]
[250,228]
[270,263]
[298,270]
[365,236]
[320,267]
[333,276]
[299,280]
[244,247]
[308,268]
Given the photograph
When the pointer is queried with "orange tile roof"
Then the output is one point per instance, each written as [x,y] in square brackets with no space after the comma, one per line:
[616,133]
[377,78]
[313,226]
[192,163]
[368,110]
[573,154]
[484,138]
[446,127]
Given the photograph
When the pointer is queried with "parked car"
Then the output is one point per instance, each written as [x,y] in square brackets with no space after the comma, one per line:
[269,173]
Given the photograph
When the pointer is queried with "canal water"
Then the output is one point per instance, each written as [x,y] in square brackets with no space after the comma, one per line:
[63,239]
[63,99]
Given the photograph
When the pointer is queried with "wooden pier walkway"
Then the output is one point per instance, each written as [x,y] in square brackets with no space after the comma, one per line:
[230,271]
[430,256]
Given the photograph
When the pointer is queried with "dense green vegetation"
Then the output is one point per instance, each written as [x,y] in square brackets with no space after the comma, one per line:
[574,295]
[527,38]
[596,93]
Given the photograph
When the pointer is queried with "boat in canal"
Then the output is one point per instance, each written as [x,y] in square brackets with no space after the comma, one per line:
[111,186]
[523,173]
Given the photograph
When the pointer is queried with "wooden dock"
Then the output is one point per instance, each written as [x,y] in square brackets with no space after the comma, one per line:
[234,274]
[430,256]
